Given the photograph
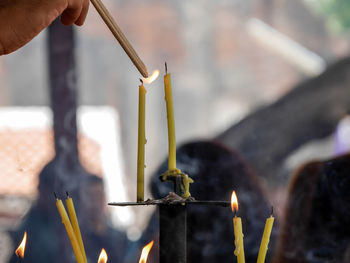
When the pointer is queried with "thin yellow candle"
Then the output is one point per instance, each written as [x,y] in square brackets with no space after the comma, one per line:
[171,121]
[265,239]
[75,225]
[70,231]
[237,225]
[141,144]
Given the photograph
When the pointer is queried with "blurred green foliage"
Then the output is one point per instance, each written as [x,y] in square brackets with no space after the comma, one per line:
[337,13]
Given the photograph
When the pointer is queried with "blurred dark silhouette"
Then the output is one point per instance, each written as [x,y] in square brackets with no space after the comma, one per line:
[216,171]
[317,215]
[310,111]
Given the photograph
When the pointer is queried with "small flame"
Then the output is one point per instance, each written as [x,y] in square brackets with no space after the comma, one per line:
[152,78]
[21,248]
[234,202]
[145,251]
[103,256]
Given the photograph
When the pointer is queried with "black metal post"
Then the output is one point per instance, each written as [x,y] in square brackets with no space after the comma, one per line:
[67,169]
[172,235]
[172,230]
[63,83]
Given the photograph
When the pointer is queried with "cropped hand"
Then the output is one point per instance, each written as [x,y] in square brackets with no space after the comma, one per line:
[22,20]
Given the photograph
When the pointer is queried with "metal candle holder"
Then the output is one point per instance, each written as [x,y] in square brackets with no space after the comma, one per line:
[173,221]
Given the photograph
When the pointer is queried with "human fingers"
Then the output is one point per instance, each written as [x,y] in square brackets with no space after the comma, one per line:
[72,12]
[80,21]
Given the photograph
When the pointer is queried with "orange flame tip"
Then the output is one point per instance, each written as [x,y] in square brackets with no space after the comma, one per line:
[153,77]
[145,252]
[103,256]
[234,202]
[22,247]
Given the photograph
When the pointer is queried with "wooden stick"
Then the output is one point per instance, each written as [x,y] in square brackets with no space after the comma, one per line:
[118,34]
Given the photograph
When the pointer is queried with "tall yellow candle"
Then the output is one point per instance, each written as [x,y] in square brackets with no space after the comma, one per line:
[141,144]
[239,247]
[75,225]
[265,239]
[71,235]
[237,225]
[171,121]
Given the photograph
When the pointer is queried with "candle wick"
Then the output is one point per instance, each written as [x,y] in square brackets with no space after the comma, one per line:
[271,210]
[67,194]
[166,68]
[54,193]
[141,81]
[234,213]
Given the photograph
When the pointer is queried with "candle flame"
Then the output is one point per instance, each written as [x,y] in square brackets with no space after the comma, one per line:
[144,254]
[21,248]
[103,256]
[152,78]
[234,202]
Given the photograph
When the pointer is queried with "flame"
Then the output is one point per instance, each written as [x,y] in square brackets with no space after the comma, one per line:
[145,251]
[234,202]
[152,78]
[21,248]
[103,256]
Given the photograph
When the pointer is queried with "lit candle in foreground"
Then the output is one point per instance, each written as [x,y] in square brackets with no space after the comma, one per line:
[237,225]
[145,252]
[71,235]
[103,256]
[75,224]
[171,120]
[22,246]
[266,238]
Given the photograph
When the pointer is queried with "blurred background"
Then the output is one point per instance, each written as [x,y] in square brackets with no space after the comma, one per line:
[228,59]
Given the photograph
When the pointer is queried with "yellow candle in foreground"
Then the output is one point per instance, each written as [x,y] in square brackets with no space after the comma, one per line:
[239,247]
[75,225]
[265,239]
[237,226]
[171,122]
[141,144]
[70,232]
